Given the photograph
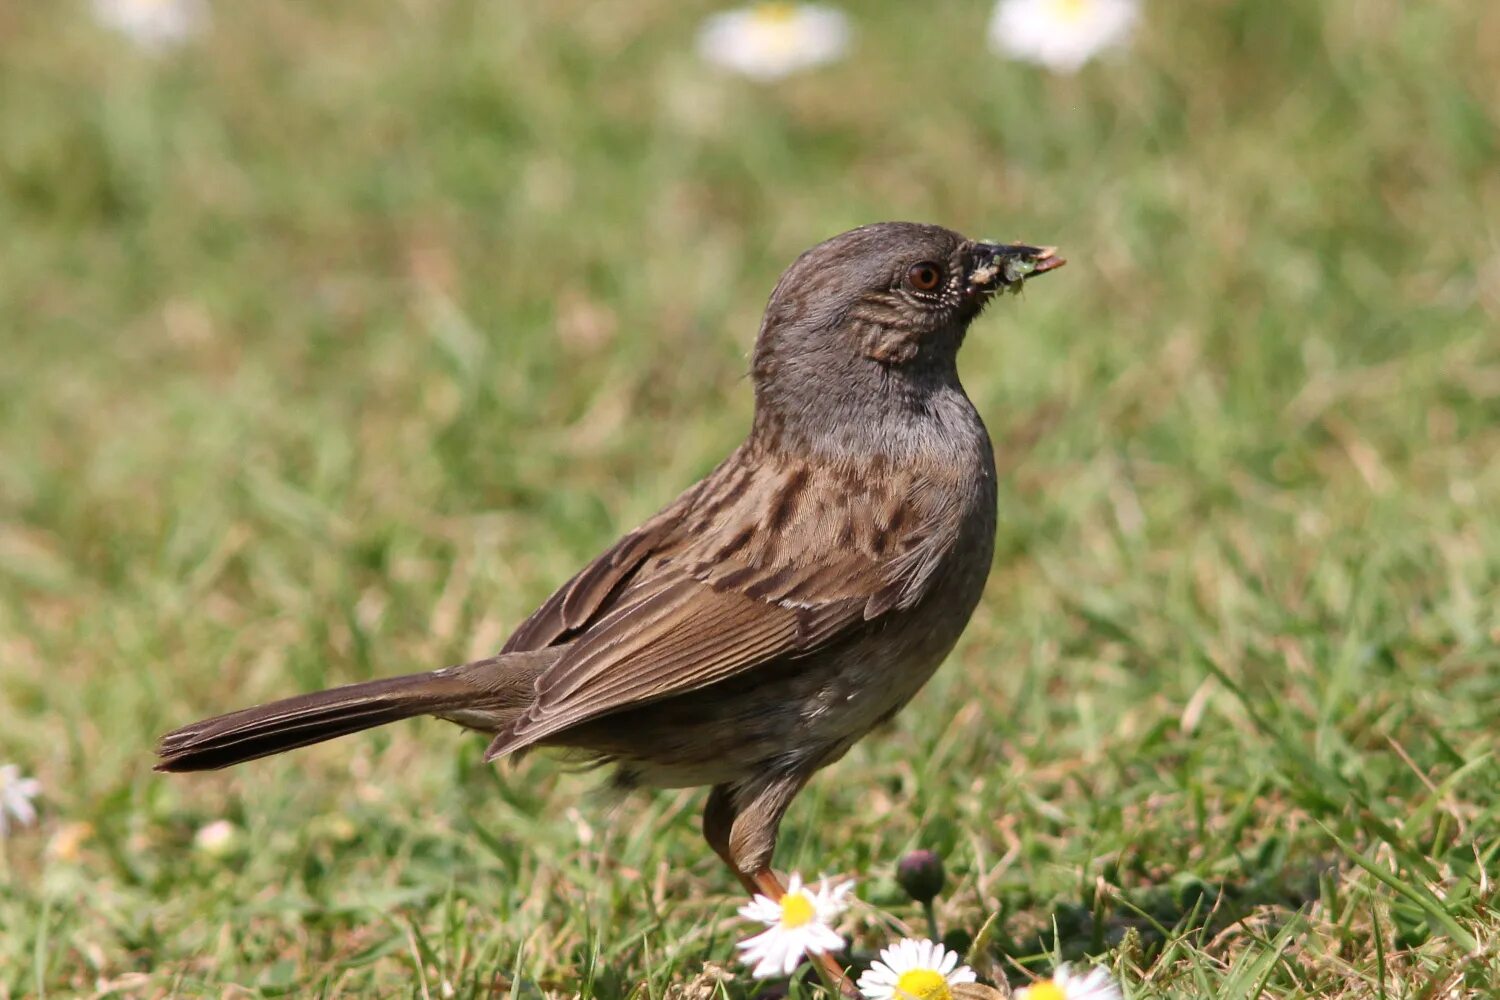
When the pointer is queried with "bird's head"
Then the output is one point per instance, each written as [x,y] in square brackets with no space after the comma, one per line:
[879,310]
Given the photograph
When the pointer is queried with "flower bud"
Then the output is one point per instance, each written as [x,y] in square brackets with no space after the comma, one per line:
[920,873]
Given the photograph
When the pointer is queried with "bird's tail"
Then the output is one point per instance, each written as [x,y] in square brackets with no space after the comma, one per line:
[485,693]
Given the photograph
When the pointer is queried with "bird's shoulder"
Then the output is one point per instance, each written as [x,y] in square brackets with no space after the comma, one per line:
[804,532]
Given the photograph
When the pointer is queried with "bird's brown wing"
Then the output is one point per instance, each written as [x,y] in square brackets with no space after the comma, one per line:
[579,601]
[760,562]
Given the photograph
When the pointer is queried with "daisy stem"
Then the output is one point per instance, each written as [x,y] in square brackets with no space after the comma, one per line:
[932,925]
[837,985]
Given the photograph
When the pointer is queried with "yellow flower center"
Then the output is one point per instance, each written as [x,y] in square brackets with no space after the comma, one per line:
[1045,990]
[1071,10]
[923,984]
[796,910]
[775,13]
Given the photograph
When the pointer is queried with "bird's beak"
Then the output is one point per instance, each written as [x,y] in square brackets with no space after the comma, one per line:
[998,267]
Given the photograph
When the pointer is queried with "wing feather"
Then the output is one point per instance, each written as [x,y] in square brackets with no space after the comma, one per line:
[577,602]
[705,591]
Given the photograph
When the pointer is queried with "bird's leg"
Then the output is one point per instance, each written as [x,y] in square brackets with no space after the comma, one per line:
[718,826]
[741,828]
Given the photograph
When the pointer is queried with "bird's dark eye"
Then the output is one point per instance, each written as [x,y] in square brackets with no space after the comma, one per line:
[924,277]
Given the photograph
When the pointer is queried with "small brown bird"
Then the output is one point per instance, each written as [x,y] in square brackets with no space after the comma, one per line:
[770,616]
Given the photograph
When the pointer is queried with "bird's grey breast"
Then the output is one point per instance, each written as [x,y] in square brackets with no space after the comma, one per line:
[883,667]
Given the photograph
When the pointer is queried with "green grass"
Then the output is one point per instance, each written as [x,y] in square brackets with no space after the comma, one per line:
[333,342]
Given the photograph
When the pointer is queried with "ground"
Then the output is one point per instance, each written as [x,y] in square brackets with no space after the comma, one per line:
[336,339]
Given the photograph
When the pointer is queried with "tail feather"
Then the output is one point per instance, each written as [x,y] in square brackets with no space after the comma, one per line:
[496,688]
[211,755]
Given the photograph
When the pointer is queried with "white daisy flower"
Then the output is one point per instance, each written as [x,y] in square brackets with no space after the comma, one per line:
[216,839]
[913,969]
[798,924]
[153,24]
[1065,984]
[16,794]
[771,40]
[1060,34]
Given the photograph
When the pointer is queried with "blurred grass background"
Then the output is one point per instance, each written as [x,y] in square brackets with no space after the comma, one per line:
[336,339]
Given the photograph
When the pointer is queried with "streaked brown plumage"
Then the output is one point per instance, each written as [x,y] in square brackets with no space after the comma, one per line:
[774,613]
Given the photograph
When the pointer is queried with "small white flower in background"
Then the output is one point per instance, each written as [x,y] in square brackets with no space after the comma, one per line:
[153,24]
[216,839]
[1060,34]
[16,794]
[1065,984]
[914,969]
[798,924]
[771,40]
